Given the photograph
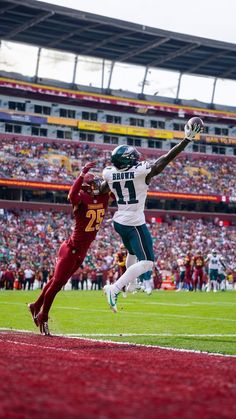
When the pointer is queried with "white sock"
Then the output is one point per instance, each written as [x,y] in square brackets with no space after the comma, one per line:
[132,273]
[130,260]
[147,284]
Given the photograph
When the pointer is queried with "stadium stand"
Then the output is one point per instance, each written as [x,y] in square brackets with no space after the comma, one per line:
[49,129]
[61,162]
[35,237]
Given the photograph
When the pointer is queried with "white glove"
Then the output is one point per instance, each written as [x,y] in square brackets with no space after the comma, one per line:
[191,130]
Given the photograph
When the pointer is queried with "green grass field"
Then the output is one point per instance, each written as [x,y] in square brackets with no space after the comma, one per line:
[198,321]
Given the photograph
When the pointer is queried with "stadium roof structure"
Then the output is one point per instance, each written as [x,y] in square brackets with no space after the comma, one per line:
[54,27]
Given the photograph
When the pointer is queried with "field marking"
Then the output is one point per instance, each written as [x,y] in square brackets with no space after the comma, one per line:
[229,335]
[154,334]
[215,303]
[110,342]
[166,304]
[138,313]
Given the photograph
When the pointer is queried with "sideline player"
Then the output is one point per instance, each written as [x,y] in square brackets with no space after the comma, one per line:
[198,264]
[214,262]
[120,260]
[128,178]
[89,207]
[182,271]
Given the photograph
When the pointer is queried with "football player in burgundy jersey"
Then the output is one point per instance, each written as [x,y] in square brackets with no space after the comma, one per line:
[198,265]
[89,207]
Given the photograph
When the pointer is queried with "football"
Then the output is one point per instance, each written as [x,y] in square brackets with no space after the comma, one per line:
[196,120]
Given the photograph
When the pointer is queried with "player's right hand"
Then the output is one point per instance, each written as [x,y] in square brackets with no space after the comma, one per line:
[88,166]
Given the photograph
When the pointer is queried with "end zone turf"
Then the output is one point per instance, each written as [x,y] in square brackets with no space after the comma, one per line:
[77,378]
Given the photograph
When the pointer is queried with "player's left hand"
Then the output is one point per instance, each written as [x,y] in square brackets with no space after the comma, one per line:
[191,130]
[88,166]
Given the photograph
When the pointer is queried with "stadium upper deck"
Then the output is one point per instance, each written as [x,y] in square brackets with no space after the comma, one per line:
[50,26]
[42,109]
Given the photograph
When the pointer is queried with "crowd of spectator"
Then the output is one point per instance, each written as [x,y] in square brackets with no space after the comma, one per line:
[53,162]
[29,241]
[48,162]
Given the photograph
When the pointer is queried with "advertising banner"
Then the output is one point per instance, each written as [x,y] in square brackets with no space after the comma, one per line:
[15,117]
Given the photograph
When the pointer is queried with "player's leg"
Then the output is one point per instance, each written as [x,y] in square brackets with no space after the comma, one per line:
[36,306]
[195,279]
[139,242]
[214,279]
[133,285]
[147,283]
[181,280]
[200,279]
[68,262]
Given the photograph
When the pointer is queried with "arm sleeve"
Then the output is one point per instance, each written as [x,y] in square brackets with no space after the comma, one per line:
[75,189]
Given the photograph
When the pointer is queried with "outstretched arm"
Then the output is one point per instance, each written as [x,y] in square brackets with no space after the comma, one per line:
[76,187]
[190,131]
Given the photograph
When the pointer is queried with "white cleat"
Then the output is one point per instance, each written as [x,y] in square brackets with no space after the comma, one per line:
[111,297]
[148,291]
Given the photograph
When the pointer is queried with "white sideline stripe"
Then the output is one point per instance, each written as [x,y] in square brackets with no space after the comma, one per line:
[233,335]
[229,335]
[108,341]
[184,335]
[138,313]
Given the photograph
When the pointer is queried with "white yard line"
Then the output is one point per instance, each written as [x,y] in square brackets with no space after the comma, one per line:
[16,342]
[140,313]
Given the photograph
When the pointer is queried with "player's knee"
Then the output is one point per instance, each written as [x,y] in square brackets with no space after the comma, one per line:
[147,265]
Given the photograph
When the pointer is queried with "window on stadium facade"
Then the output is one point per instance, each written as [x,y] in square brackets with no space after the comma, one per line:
[16,106]
[44,110]
[138,122]
[113,119]
[221,131]
[41,132]
[157,124]
[92,116]
[154,144]
[64,134]
[109,139]
[218,150]
[134,141]
[85,136]
[178,127]
[67,113]
[16,129]
[199,148]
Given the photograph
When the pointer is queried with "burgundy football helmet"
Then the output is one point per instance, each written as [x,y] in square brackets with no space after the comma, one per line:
[91,184]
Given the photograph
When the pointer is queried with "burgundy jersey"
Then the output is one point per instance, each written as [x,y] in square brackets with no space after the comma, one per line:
[198,261]
[89,214]
[187,260]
